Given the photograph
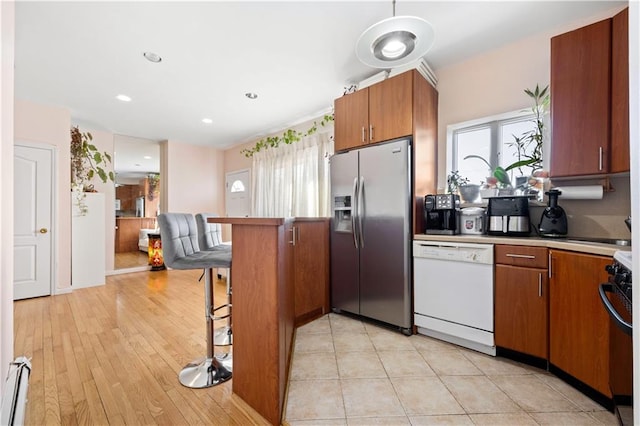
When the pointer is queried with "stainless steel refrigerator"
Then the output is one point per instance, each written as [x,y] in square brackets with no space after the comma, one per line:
[371,229]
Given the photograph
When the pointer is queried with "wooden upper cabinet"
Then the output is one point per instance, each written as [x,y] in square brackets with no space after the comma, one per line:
[620,92]
[580,100]
[390,108]
[351,123]
[376,113]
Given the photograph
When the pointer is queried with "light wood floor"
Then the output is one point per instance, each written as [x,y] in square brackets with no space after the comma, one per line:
[111,354]
[131,259]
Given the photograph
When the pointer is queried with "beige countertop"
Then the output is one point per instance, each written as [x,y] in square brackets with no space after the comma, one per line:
[562,244]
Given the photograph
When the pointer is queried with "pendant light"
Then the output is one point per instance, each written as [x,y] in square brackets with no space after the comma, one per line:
[395,41]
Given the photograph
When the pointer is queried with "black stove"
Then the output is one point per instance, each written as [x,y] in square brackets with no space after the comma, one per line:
[619,307]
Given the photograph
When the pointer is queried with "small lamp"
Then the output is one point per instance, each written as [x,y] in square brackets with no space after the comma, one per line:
[155,253]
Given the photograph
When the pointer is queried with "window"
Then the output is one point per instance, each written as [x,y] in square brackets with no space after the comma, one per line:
[492,139]
[237,186]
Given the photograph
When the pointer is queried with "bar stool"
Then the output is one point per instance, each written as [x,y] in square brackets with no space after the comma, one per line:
[210,239]
[181,251]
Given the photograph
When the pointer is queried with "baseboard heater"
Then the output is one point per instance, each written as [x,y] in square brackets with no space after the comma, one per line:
[14,399]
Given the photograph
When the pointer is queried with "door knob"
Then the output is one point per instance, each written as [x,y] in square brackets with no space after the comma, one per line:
[43,230]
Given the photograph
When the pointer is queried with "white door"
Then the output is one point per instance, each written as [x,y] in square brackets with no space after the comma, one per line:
[33,176]
[238,193]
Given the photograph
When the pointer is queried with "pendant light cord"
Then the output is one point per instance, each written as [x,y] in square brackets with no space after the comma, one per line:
[394,8]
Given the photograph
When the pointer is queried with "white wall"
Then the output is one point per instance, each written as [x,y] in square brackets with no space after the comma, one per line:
[50,125]
[192,178]
[7,26]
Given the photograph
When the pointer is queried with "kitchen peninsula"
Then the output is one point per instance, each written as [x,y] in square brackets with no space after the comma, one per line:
[264,307]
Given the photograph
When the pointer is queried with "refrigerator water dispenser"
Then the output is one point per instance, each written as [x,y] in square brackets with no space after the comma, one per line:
[342,213]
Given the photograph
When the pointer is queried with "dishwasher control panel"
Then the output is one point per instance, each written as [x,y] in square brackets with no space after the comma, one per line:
[471,253]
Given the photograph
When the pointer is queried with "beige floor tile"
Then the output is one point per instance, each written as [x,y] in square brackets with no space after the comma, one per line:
[605,417]
[324,422]
[494,366]
[571,418]
[386,421]
[503,419]
[572,394]
[426,343]
[425,395]
[313,365]
[370,398]
[359,365]
[404,364]
[314,399]
[455,419]
[450,363]
[532,394]
[345,324]
[391,341]
[320,325]
[313,343]
[477,394]
[345,342]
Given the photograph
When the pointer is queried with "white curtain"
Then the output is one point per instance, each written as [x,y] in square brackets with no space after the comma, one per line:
[293,180]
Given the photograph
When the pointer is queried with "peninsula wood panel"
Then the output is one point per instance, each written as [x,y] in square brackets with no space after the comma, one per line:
[263,315]
[578,323]
[311,265]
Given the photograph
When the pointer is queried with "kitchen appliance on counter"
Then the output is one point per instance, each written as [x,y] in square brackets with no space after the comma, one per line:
[553,222]
[472,220]
[441,214]
[619,307]
[508,216]
[371,229]
[453,293]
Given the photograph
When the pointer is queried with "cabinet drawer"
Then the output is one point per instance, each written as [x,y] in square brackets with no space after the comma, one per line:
[533,257]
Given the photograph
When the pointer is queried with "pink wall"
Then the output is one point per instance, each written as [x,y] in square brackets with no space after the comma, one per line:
[193,176]
[7,26]
[50,125]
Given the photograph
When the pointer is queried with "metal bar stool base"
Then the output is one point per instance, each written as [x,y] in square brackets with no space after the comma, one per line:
[206,372]
[223,336]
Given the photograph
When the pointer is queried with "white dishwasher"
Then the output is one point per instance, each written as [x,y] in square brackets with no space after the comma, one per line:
[453,293]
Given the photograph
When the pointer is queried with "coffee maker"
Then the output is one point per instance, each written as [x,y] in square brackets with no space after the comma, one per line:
[553,222]
[442,214]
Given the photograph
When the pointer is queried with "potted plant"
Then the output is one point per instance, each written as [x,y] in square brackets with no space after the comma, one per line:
[460,184]
[87,162]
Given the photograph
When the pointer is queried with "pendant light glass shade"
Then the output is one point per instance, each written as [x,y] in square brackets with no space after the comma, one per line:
[395,41]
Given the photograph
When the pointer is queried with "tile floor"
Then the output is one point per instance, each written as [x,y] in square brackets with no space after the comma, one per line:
[349,372]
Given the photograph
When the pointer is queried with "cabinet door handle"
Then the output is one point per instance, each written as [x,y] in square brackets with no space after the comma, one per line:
[363,134]
[293,235]
[521,256]
[370,132]
[550,260]
[600,158]
[540,284]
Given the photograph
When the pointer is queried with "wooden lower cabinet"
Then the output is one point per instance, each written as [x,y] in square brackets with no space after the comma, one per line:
[128,232]
[578,323]
[522,299]
[521,309]
[311,269]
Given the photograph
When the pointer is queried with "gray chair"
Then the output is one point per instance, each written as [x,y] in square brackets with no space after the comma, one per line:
[210,239]
[181,251]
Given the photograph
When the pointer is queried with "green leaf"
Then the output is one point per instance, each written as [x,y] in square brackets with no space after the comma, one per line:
[103,175]
[502,176]
[107,156]
[97,157]
[91,147]
[479,158]
[112,177]
[520,163]
[90,174]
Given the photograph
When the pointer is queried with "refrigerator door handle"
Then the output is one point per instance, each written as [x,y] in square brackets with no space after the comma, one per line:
[354,211]
[360,210]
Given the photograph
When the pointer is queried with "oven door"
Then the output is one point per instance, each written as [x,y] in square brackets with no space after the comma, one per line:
[620,352]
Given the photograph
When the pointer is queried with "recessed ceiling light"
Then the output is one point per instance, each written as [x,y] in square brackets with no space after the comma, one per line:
[152,57]
[207,120]
[147,157]
[123,98]
[251,95]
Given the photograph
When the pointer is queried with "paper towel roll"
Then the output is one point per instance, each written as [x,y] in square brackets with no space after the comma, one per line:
[584,192]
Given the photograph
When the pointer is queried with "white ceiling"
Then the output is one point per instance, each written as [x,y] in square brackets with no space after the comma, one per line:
[297,56]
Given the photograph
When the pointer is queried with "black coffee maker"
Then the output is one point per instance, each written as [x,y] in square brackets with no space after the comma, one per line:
[553,222]
[442,214]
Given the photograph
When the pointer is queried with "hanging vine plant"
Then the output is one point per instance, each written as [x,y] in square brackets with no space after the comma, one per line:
[154,181]
[288,137]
